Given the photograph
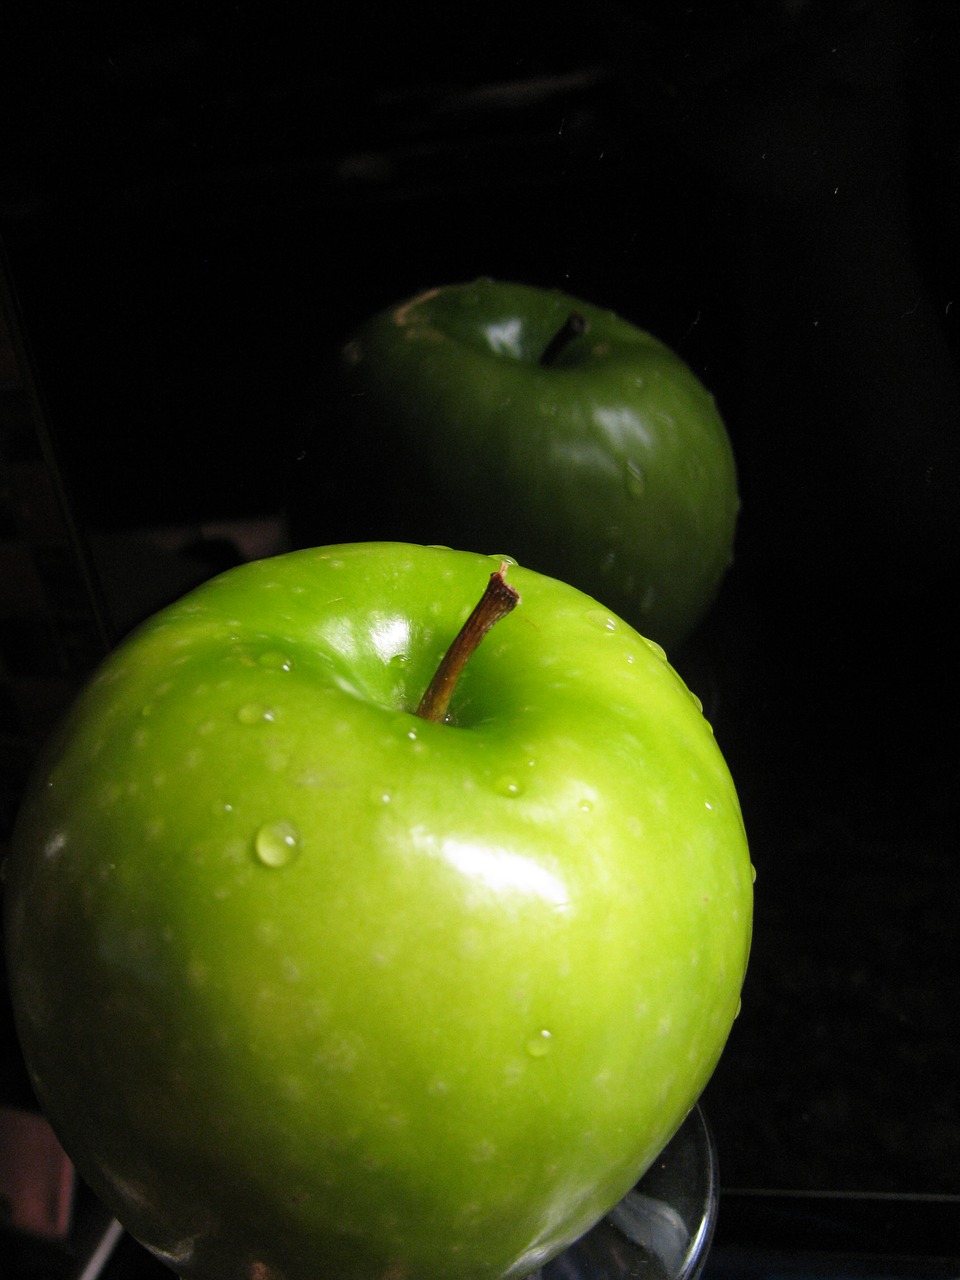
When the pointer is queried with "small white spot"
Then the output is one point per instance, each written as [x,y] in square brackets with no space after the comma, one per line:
[55,845]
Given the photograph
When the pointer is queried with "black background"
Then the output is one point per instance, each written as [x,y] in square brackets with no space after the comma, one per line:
[197,202]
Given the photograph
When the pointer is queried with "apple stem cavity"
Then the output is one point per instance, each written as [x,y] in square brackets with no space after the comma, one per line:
[574,325]
[498,599]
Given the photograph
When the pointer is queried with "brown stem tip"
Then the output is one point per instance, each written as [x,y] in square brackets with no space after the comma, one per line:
[574,325]
[498,599]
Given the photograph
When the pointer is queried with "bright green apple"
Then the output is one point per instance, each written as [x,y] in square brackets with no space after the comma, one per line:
[312,985]
[606,464]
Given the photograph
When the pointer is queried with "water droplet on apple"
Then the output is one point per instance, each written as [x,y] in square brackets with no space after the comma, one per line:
[601,619]
[655,648]
[635,479]
[255,713]
[399,660]
[739,1007]
[509,787]
[585,806]
[538,1046]
[696,701]
[404,725]
[753,874]
[276,843]
[275,661]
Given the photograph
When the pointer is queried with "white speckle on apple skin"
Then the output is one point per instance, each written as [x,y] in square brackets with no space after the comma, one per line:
[293,1089]
[109,795]
[54,846]
[340,1054]
[513,1072]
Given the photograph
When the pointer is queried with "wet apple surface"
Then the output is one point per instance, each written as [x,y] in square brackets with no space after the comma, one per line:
[308,982]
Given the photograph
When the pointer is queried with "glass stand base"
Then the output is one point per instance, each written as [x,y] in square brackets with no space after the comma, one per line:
[662,1229]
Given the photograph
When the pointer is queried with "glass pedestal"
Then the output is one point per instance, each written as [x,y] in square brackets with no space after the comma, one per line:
[661,1230]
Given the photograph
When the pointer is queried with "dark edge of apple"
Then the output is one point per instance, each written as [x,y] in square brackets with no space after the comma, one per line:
[574,325]
[498,599]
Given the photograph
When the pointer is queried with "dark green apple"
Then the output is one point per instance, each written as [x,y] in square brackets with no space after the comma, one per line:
[318,975]
[477,415]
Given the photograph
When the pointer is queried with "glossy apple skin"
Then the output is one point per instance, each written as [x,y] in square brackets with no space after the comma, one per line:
[611,470]
[309,986]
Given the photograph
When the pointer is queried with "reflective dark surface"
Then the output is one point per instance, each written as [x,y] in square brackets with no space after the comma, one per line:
[194,207]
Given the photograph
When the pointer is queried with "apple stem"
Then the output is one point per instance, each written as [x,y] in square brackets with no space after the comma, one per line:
[498,599]
[574,325]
